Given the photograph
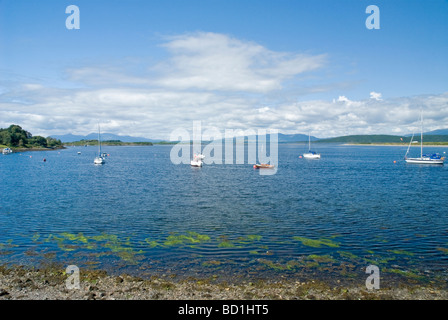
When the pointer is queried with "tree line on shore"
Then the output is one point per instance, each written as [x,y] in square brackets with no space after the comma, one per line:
[16,137]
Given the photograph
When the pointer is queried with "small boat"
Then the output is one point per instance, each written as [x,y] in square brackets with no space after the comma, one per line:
[311,154]
[427,159]
[99,159]
[79,152]
[7,151]
[196,162]
[434,158]
[263,166]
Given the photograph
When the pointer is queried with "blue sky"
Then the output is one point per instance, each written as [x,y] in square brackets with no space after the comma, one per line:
[155,66]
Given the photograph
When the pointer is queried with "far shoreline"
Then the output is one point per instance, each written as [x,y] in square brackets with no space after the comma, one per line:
[392,145]
[20,150]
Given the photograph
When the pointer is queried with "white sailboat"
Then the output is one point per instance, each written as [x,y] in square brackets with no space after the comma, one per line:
[311,154]
[99,159]
[196,162]
[434,158]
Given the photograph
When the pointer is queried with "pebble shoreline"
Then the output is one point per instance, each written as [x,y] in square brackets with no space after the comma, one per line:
[50,284]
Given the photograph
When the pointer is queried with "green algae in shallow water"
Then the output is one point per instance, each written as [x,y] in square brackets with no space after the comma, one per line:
[348,255]
[402,252]
[254,237]
[323,258]
[70,242]
[191,238]
[151,243]
[72,237]
[123,250]
[290,265]
[408,274]
[9,244]
[444,250]
[249,239]
[211,263]
[105,237]
[317,243]
[226,244]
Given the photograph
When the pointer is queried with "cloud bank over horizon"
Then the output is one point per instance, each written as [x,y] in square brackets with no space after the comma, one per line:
[225,82]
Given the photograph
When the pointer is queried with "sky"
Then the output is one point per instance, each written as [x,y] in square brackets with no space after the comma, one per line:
[146,68]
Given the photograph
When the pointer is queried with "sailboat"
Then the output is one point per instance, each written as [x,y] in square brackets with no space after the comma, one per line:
[311,154]
[263,165]
[434,158]
[196,162]
[99,159]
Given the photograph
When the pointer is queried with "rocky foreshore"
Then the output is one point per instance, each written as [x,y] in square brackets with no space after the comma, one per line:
[50,284]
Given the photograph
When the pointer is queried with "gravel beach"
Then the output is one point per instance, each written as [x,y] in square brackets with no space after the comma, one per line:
[50,284]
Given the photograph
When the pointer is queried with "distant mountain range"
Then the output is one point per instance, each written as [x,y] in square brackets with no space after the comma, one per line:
[104,137]
[65,138]
[434,132]
[435,135]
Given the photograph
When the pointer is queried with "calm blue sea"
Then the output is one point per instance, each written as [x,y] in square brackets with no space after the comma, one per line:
[141,214]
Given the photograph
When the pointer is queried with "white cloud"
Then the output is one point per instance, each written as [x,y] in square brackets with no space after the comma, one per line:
[156,113]
[210,61]
[220,80]
[375,95]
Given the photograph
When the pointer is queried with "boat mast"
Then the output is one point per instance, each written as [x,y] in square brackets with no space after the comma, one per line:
[99,141]
[421,134]
[309,141]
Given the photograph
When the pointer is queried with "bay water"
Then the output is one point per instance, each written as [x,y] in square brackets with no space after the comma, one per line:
[313,219]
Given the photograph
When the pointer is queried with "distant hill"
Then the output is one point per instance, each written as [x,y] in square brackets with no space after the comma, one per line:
[294,137]
[104,136]
[83,143]
[439,132]
[382,138]
[433,136]
[378,138]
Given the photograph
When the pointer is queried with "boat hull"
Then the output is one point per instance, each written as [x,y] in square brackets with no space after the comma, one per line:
[425,161]
[311,156]
[196,163]
[99,160]
[263,166]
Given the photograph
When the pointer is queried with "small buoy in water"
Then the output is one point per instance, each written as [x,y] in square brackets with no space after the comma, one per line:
[395,161]
[300,157]
[45,160]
